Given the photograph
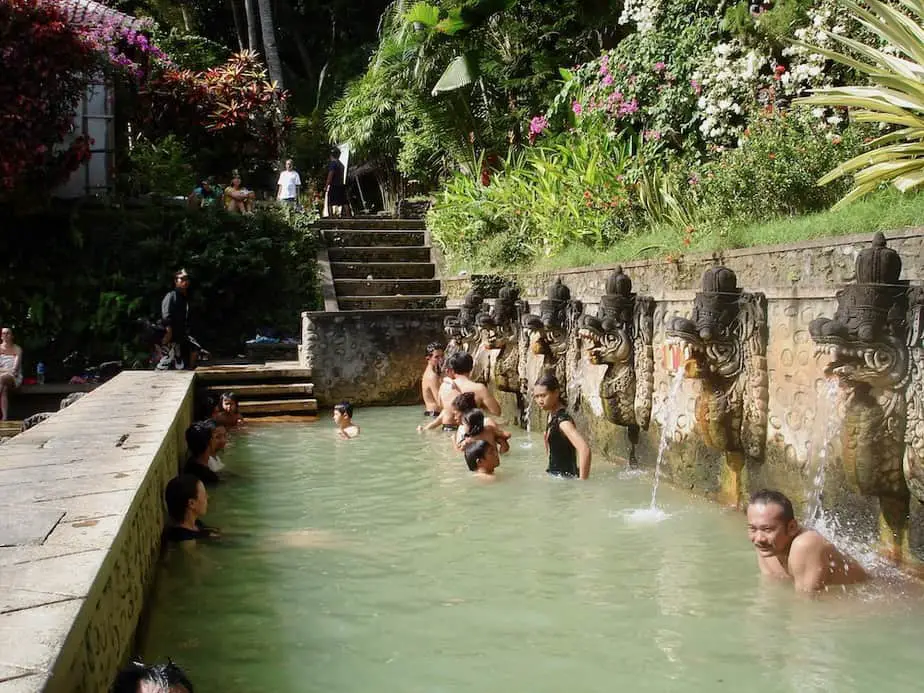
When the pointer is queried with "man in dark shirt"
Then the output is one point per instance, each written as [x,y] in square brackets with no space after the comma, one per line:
[175,318]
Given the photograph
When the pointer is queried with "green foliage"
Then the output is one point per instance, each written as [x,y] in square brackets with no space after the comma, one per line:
[774,25]
[160,167]
[774,170]
[191,52]
[80,278]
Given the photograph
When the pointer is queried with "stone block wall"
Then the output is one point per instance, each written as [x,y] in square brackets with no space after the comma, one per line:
[369,357]
[73,594]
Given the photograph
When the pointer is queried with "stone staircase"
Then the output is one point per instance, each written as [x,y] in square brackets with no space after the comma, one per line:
[380,264]
[275,389]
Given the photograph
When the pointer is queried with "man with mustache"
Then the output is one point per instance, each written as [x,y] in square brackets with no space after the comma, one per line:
[786,551]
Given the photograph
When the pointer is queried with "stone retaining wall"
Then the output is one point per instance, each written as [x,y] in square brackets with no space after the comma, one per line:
[81,512]
[369,357]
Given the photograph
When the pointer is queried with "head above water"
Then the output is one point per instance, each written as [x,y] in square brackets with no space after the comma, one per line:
[199,437]
[474,422]
[137,677]
[344,410]
[219,437]
[547,393]
[771,523]
[464,402]
[460,363]
[229,402]
[185,494]
[435,354]
[481,456]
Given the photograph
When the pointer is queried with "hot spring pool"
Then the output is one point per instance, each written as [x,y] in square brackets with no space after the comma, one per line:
[380,564]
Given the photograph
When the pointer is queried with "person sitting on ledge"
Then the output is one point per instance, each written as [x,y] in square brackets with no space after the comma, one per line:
[569,453]
[226,412]
[786,551]
[482,458]
[343,417]
[136,677]
[476,426]
[458,369]
[201,441]
[430,381]
[187,501]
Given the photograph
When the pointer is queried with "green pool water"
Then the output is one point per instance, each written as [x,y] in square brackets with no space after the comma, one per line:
[380,564]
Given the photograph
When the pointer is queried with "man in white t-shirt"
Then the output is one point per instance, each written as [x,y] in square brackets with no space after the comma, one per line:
[288,186]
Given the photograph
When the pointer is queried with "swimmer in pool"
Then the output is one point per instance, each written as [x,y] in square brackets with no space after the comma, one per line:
[187,501]
[569,453]
[430,380]
[482,458]
[343,417]
[786,551]
[458,368]
[226,413]
[475,427]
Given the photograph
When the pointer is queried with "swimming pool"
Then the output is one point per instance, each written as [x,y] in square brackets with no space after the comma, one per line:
[381,564]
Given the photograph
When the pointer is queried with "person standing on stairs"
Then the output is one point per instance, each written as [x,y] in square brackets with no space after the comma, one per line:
[335,187]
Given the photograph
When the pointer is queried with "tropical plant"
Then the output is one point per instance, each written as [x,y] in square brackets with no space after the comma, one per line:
[894,98]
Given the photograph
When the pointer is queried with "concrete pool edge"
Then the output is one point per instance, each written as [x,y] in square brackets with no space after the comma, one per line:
[84,489]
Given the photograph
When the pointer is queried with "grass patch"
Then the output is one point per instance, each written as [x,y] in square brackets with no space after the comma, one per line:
[882,211]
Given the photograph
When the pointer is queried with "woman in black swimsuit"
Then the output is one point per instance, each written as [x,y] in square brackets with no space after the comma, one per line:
[569,453]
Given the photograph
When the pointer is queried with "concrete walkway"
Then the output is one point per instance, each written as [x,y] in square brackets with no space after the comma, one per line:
[77,494]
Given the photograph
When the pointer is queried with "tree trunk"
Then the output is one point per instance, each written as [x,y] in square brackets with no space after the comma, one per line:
[253,38]
[238,24]
[269,42]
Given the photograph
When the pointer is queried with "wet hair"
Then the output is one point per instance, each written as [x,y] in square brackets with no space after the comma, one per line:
[549,382]
[474,422]
[344,408]
[766,497]
[198,437]
[432,347]
[464,402]
[229,397]
[180,490]
[475,452]
[335,152]
[460,362]
[164,676]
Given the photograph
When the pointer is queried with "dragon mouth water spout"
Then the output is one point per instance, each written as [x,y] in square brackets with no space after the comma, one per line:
[620,338]
[550,334]
[500,332]
[724,344]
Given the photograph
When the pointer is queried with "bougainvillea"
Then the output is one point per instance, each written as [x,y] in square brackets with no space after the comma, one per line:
[46,66]
[233,109]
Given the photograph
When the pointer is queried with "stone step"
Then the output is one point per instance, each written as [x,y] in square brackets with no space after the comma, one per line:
[383,270]
[276,371]
[378,239]
[278,406]
[367,254]
[390,302]
[262,390]
[372,224]
[387,287]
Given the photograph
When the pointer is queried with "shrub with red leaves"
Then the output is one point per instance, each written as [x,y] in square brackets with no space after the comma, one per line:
[232,110]
[46,67]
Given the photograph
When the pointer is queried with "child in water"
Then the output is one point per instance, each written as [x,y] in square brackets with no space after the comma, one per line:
[569,453]
[343,417]
[226,411]
[475,427]
[482,458]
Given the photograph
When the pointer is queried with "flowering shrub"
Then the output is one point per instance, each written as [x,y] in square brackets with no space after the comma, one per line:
[46,67]
[232,110]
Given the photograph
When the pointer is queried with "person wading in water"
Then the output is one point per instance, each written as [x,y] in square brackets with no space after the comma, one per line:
[569,453]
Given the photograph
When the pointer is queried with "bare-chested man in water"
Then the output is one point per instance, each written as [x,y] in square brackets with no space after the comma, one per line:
[430,381]
[458,369]
[787,551]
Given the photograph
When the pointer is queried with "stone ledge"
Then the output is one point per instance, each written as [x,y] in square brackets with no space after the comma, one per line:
[71,592]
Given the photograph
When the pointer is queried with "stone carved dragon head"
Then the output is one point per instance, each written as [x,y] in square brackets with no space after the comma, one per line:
[865,340]
[609,333]
[461,329]
[500,330]
[548,332]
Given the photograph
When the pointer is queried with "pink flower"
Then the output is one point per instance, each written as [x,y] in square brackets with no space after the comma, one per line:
[697,87]
[577,108]
[652,135]
[608,80]
[660,66]
[537,125]
[604,70]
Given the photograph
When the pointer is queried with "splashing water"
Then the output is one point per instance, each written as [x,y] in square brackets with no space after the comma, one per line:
[671,414]
[826,411]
